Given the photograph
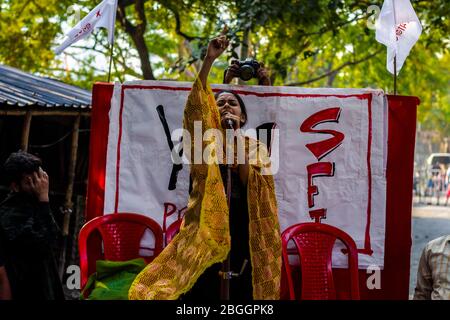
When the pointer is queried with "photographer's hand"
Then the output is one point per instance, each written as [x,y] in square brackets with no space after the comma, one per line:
[263,76]
[231,72]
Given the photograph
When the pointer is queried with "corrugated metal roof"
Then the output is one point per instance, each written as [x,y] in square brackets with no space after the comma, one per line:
[21,89]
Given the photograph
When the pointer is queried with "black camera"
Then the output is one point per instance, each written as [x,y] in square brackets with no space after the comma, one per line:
[248,69]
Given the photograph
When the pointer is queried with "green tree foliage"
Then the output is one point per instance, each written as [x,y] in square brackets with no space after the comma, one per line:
[313,43]
[27,29]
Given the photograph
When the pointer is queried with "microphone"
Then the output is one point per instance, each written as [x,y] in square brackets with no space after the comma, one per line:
[230,123]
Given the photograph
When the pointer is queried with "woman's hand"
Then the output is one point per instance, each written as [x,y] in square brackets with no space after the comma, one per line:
[229,116]
[216,47]
[263,76]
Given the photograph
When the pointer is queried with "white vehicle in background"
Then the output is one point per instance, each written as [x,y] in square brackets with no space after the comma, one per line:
[438,158]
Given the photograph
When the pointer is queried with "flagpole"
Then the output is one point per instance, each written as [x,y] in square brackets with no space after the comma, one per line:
[395,75]
[396,50]
[110,61]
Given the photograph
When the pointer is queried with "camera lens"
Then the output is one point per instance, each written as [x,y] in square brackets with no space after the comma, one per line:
[246,72]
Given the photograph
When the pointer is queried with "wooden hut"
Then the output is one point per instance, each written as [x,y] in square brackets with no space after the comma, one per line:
[50,119]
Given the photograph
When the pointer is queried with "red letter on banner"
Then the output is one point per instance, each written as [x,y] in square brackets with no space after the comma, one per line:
[322,148]
[169,209]
[318,214]
[318,169]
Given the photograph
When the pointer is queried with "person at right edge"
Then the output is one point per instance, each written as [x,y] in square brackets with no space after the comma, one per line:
[188,268]
[433,273]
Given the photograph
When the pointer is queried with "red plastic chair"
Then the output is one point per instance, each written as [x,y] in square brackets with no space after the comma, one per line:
[314,243]
[121,234]
[172,230]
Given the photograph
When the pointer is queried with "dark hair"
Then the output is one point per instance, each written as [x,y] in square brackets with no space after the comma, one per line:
[239,99]
[18,164]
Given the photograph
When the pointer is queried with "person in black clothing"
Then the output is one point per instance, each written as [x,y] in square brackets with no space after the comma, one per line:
[207,287]
[28,231]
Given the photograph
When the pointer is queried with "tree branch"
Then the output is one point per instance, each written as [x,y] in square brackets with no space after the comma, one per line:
[178,26]
[335,71]
[139,6]
[81,61]
[137,35]
[23,8]
[333,27]
[123,64]
[91,49]
[126,24]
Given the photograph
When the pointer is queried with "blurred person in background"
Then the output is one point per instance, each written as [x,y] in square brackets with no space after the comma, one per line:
[28,231]
[433,274]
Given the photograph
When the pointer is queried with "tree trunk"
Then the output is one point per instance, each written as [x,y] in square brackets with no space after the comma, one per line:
[245,45]
[141,46]
[137,35]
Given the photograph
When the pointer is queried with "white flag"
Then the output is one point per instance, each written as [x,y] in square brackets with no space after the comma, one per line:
[103,15]
[399,29]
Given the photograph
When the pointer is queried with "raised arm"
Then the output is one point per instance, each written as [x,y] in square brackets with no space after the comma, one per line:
[215,48]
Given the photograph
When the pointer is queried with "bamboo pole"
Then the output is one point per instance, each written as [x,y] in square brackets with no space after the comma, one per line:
[26,131]
[68,204]
[395,58]
[79,221]
[72,164]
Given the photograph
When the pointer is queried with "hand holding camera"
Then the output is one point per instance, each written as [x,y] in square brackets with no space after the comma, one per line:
[247,70]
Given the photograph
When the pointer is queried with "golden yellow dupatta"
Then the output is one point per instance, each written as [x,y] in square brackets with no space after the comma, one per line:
[204,238]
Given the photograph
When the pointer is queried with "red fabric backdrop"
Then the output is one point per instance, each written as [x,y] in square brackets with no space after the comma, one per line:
[400,162]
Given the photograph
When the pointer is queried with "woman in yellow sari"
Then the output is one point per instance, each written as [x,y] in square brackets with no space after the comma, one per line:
[204,239]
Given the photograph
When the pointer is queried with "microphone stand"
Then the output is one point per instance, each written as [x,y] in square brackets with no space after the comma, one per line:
[225,273]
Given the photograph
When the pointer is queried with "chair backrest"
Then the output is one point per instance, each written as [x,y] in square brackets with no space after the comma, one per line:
[173,230]
[314,243]
[121,234]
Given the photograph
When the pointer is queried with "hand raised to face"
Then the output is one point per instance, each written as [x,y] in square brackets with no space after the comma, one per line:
[39,183]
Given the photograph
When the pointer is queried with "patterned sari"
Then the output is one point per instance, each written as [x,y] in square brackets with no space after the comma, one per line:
[204,238]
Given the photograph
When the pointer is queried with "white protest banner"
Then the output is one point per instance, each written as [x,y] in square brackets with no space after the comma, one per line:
[328,151]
